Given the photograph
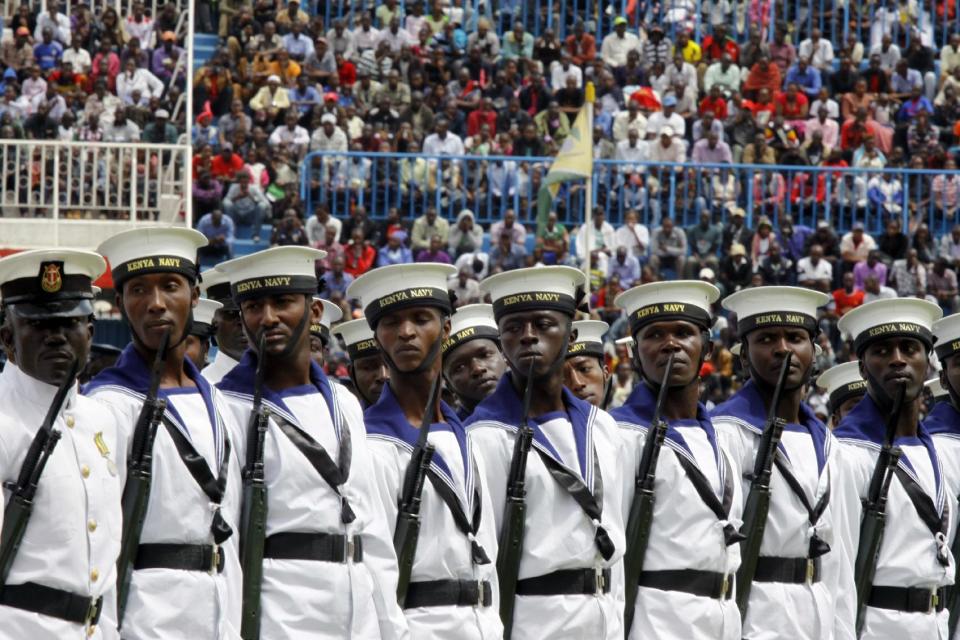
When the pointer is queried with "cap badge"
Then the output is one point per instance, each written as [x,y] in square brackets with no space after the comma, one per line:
[51,279]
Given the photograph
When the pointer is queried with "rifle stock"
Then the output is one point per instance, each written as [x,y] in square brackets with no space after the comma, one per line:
[875,512]
[136,491]
[640,519]
[757,505]
[253,519]
[515,514]
[17,512]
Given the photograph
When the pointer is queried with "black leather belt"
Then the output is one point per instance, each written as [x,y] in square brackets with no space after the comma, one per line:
[706,584]
[182,557]
[787,570]
[55,603]
[567,582]
[457,593]
[319,547]
[908,599]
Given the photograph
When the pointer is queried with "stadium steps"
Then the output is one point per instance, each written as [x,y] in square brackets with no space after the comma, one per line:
[204,46]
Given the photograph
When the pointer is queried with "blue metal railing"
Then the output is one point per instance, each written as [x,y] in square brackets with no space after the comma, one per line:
[489,185]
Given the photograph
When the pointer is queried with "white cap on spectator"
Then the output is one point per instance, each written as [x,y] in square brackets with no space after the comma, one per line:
[535,288]
[794,307]
[687,300]
[274,78]
[667,131]
[203,317]
[331,313]
[589,340]
[471,322]
[707,274]
[358,338]
[893,318]
[161,113]
[842,382]
[328,117]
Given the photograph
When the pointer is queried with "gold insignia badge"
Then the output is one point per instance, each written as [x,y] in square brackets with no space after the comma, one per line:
[101,444]
[51,280]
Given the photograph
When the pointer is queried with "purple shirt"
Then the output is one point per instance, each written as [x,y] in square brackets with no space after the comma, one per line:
[430,256]
[862,271]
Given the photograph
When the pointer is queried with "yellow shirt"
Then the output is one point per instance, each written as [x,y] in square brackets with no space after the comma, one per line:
[691,53]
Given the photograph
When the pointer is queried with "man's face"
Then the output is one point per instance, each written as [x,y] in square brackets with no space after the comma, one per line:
[157,302]
[369,376]
[893,362]
[538,337]
[45,348]
[767,348]
[406,336]
[230,336]
[278,318]
[197,349]
[317,350]
[586,378]
[473,370]
[656,341]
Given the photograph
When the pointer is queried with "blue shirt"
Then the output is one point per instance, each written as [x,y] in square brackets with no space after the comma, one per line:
[309,95]
[400,255]
[48,55]
[298,47]
[336,285]
[210,230]
[912,107]
[628,272]
[808,82]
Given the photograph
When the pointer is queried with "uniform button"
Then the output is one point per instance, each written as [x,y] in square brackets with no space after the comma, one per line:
[92,525]
[94,575]
[70,421]
[85,471]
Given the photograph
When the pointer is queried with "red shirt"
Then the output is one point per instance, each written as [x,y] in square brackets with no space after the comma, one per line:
[347,74]
[478,118]
[845,301]
[792,109]
[718,106]
[713,50]
[225,169]
[358,260]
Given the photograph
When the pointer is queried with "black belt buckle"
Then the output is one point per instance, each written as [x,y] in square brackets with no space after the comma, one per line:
[216,560]
[599,580]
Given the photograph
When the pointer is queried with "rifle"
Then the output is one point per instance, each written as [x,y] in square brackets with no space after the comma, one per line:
[875,512]
[136,491]
[758,499]
[641,509]
[407,533]
[16,515]
[253,521]
[514,515]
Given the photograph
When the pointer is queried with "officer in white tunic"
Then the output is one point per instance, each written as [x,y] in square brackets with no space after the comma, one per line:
[329,568]
[585,370]
[686,587]
[472,361]
[453,582]
[367,369]
[320,330]
[61,578]
[571,567]
[186,575]
[845,387]
[201,331]
[892,339]
[795,586]
[230,339]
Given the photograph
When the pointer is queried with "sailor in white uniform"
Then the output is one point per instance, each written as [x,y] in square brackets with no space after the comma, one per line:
[60,582]
[472,361]
[571,567]
[201,331]
[686,586]
[320,330]
[451,587]
[585,371]
[230,339]
[892,339]
[186,576]
[845,387]
[367,369]
[329,568]
[795,587]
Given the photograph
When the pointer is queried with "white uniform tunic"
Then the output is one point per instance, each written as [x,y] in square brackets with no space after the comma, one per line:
[305,599]
[776,609]
[558,534]
[908,552]
[221,366]
[443,551]
[73,536]
[686,533]
[170,603]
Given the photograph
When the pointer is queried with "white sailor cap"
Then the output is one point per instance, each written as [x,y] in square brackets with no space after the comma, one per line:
[50,283]
[771,306]
[535,289]
[139,252]
[203,317]
[947,332]
[933,384]
[274,271]
[842,382]
[471,322]
[688,300]
[215,285]
[893,318]
[589,340]
[331,313]
[358,338]
[400,286]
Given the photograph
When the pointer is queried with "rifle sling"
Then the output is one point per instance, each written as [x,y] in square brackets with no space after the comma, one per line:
[334,474]
[927,511]
[213,488]
[817,546]
[465,526]
[702,485]
[591,503]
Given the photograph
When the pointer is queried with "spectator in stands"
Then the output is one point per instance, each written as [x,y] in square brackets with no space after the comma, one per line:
[668,247]
[506,255]
[581,46]
[465,287]
[814,271]
[465,236]
[777,269]
[56,21]
[248,207]
[219,231]
[873,290]
[289,231]
[160,130]
[950,246]
[871,267]
[207,194]
[425,227]
[357,220]
[616,45]
[942,285]
[553,240]
[736,270]
[601,243]
[518,233]
[318,225]
[909,276]
[359,255]
[395,252]
[625,267]
[435,253]
[328,242]
[849,296]
[856,245]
